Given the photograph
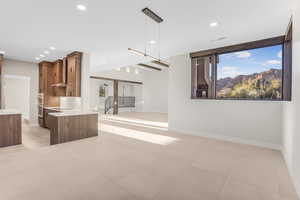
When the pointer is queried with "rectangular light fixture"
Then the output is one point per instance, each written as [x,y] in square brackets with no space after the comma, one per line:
[137,52]
[149,66]
[156,60]
[160,63]
[152,15]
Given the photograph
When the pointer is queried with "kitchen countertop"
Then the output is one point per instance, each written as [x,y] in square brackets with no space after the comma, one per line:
[9,112]
[72,113]
[59,109]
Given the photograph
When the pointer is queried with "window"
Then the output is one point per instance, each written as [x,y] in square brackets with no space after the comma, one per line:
[250,74]
[259,70]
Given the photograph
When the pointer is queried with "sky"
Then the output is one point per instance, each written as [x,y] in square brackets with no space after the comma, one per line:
[249,61]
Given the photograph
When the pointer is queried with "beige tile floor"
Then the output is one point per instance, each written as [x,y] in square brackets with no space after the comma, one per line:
[135,157]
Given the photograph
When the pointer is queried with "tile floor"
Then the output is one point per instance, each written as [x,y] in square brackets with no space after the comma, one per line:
[136,157]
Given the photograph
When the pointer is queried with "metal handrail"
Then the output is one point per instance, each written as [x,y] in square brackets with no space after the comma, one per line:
[124,102]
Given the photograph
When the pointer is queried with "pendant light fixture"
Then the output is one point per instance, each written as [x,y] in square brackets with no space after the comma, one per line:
[148,12]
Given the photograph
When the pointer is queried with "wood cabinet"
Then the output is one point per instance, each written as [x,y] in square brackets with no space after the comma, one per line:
[57,79]
[47,96]
[62,77]
[11,129]
[58,72]
[46,117]
[74,74]
[1,60]
[46,80]
[66,128]
[41,121]
[45,76]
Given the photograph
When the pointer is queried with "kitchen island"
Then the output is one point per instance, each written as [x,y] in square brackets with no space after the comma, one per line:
[10,128]
[72,125]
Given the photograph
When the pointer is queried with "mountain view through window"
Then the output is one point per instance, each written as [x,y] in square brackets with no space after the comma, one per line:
[250,74]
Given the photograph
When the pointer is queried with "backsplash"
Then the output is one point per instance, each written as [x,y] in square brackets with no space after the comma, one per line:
[70,102]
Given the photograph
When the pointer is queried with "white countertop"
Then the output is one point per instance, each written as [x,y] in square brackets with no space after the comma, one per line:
[72,113]
[9,112]
[60,109]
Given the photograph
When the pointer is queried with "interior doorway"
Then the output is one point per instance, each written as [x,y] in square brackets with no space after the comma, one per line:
[112,96]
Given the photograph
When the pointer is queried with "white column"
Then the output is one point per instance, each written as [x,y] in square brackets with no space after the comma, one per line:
[85,81]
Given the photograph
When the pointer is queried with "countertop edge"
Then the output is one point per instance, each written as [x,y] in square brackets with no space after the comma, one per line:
[59,114]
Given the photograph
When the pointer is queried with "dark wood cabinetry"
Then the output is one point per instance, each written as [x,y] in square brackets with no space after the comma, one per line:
[58,72]
[1,59]
[46,117]
[11,129]
[68,128]
[46,80]
[74,74]
[57,79]
[62,77]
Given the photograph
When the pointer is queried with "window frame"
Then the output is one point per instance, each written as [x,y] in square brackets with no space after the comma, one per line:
[280,40]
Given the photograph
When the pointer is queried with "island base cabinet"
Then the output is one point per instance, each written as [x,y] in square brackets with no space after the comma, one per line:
[69,128]
[10,130]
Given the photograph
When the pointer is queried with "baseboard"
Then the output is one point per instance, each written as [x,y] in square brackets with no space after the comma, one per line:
[295,182]
[231,139]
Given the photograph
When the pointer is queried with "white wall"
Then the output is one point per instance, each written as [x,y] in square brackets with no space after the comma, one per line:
[291,125]
[30,70]
[97,102]
[128,89]
[155,91]
[85,81]
[256,122]
[17,94]
[152,96]
[122,74]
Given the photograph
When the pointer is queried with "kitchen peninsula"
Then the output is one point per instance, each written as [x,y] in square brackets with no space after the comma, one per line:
[72,125]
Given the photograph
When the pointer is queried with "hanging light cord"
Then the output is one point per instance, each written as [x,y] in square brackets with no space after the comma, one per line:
[159,41]
[145,35]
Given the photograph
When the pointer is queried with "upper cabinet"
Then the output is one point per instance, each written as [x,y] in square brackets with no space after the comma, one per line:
[45,76]
[58,72]
[46,81]
[74,74]
[62,77]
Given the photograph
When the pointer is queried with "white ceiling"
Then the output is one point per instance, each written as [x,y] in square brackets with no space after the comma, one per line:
[108,28]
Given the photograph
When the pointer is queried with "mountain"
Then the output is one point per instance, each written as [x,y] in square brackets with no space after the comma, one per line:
[265,84]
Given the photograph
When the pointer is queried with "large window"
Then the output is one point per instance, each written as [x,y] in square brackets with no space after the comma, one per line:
[250,74]
[259,70]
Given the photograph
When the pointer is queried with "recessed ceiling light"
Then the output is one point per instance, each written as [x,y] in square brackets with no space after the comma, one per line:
[46,52]
[136,71]
[42,56]
[152,41]
[37,58]
[127,69]
[213,24]
[81,7]
[52,48]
